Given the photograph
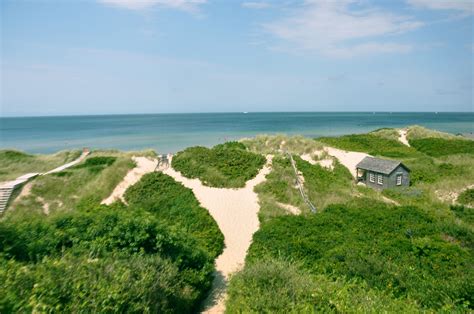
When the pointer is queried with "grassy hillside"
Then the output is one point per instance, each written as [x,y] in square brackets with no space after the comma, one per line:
[360,254]
[15,163]
[400,251]
[93,179]
[227,165]
[154,255]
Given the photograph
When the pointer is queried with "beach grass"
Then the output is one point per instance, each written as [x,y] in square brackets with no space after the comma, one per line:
[92,180]
[14,163]
[280,144]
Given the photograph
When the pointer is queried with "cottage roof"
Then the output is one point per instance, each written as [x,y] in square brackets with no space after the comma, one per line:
[384,166]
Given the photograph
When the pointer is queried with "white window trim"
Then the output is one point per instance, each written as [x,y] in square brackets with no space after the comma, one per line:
[371,177]
[399,178]
[380,179]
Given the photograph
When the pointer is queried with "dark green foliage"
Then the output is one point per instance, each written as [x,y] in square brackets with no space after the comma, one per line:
[97,164]
[78,284]
[103,245]
[466,197]
[465,213]
[437,147]
[371,144]
[395,249]
[176,205]
[155,255]
[225,165]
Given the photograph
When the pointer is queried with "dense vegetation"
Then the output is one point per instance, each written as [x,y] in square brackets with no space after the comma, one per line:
[401,251]
[227,165]
[177,207]
[14,163]
[155,254]
[437,147]
[466,197]
[361,253]
[276,286]
[272,144]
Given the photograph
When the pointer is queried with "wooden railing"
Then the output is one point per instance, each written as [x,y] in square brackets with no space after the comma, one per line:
[312,208]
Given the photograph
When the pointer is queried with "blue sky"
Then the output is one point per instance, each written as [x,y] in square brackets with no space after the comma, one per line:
[153,56]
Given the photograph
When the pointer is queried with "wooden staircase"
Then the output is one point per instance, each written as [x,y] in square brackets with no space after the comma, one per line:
[5,193]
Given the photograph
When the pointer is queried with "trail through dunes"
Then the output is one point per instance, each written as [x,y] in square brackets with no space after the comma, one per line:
[236,214]
[144,165]
[348,159]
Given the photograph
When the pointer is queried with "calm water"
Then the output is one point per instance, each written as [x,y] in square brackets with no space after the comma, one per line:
[173,132]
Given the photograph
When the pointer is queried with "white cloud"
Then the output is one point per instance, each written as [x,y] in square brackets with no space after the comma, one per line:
[335,28]
[466,6]
[256,5]
[183,5]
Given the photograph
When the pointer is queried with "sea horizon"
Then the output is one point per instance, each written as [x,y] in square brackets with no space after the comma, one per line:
[171,132]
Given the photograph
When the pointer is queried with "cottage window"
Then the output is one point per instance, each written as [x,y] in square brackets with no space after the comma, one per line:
[399,179]
[380,179]
[371,177]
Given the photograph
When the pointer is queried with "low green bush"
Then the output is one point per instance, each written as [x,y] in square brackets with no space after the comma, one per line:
[399,250]
[466,197]
[175,205]
[227,165]
[100,259]
[437,147]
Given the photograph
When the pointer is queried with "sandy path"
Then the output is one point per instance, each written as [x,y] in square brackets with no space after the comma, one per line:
[403,136]
[235,211]
[348,159]
[144,166]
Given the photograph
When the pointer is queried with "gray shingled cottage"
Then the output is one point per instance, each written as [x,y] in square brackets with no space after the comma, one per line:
[382,173]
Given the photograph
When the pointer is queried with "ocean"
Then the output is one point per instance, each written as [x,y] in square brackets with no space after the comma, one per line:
[168,133]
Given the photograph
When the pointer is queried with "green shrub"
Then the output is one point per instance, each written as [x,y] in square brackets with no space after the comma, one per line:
[395,249]
[226,165]
[466,197]
[437,147]
[104,259]
[465,213]
[176,205]
[273,286]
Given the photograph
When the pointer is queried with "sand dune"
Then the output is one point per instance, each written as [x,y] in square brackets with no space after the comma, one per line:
[144,166]
[235,211]
[403,136]
[348,159]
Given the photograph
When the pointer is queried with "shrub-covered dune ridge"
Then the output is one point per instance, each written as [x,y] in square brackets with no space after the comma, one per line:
[401,250]
[151,256]
[227,165]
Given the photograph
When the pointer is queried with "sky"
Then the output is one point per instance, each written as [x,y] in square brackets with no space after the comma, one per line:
[74,57]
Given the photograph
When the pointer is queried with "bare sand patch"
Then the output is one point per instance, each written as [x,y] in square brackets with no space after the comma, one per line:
[348,159]
[290,208]
[403,136]
[143,166]
[236,214]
